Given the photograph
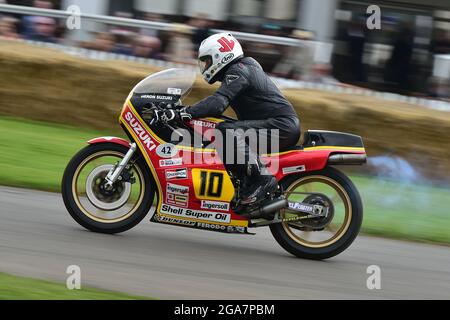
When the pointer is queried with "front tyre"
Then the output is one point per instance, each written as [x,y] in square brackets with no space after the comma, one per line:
[101,209]
[320,238]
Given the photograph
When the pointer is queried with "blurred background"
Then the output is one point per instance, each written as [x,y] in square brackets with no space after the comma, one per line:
[389,85]
[408,55]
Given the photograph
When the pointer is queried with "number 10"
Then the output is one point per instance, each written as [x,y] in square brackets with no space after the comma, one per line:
[211,184]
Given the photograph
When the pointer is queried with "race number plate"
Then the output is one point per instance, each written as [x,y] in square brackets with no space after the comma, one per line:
[212,185]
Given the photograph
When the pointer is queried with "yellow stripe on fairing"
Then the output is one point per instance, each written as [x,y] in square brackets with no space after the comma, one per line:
[315,148]
[216,120]
[335,148]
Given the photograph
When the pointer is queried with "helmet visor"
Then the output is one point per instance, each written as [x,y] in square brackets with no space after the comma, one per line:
[204,63]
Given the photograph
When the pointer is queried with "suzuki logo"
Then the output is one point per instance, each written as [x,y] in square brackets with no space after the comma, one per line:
[140,131]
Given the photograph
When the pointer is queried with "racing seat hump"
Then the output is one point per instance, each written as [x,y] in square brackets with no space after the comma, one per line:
[317,138]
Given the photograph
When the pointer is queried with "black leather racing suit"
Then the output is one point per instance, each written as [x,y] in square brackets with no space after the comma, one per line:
[257,102]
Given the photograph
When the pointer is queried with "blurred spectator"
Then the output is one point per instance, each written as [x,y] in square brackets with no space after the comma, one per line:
[103,42]
[8,28]
[147,47]
[398,67]
[152,17]
[44,29]
[439,86]
[297,62]
[356,40]
[180,48]
[202,30]
[404,65]
[161,35]
[29,22]
[267,54]
[123,29]
[123,35]
[272,29]
[441,42]
[123,42]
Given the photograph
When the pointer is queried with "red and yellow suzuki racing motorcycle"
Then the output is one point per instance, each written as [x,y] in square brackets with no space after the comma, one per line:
[111,184]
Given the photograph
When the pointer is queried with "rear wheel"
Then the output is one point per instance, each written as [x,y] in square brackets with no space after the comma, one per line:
[102,209]
[325,237]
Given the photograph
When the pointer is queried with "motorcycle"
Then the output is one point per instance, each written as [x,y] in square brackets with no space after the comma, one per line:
[112,184]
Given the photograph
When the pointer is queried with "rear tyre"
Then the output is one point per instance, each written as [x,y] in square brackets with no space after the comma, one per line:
[346,201]
[106,211]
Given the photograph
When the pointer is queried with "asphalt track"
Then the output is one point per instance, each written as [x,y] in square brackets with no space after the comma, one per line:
[38,238]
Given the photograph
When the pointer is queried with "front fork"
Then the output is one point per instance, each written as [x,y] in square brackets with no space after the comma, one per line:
[115,172]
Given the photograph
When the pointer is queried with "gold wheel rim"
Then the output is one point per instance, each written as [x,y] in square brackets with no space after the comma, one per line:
[345,199]
[77,198]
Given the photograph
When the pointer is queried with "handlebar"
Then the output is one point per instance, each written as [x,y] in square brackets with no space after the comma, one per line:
[155,120]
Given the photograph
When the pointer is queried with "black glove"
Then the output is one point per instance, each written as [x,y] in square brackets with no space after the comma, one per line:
[172,115]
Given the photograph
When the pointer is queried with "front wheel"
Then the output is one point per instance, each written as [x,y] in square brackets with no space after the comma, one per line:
[102,209]
[320,238]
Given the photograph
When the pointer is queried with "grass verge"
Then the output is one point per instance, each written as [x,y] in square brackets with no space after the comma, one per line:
[21,288]
[34,155]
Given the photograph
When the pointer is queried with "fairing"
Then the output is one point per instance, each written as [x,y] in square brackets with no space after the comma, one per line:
[198,194]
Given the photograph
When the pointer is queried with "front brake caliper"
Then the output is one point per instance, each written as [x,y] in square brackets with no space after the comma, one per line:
[128,176]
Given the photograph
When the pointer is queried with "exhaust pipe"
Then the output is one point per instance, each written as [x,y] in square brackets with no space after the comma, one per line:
[268,209]
[347,159]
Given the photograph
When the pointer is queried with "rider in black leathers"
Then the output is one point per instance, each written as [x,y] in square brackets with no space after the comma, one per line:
[258,104]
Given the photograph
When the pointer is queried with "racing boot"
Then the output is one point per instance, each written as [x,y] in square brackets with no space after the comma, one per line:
[259,184]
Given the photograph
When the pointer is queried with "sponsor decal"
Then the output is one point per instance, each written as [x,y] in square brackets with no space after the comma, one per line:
[177,200]
[177,189]
[177,195]
[205,124]
[140,131]
[227,45]
[176,174]
[234,229]
[293,169]
[301,207]
[230,78]
[200,225]
[215,205]
[219,227]
[164,219]
[170,162]
[174,91]
[167,150]
[196,214]
[227,58]
[156,96]
[211,226]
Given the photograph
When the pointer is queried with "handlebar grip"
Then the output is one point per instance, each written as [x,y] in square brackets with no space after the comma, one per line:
[174,130]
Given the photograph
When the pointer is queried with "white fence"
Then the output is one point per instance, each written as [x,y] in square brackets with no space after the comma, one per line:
[326,54]
[137,23]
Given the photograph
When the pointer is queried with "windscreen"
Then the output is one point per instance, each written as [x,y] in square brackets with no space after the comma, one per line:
[175,82]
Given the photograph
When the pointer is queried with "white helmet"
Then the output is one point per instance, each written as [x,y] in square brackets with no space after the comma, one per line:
[215,53]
